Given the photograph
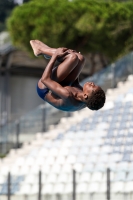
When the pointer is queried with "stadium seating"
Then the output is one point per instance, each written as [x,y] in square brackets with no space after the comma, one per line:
[92,142]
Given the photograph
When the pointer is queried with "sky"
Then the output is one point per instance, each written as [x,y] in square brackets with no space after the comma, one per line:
[18,1]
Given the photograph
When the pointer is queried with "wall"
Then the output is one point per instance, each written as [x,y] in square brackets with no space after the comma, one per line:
[20,97]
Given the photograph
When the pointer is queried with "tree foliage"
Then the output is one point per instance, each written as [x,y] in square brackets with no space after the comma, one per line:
[87,26]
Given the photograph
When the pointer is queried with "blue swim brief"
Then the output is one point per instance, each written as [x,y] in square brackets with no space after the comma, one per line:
[49,57]
[42,92]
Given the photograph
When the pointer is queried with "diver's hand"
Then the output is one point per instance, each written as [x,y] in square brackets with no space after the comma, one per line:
[61,52]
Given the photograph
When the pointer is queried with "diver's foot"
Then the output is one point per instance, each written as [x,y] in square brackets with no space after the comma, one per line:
[42,44]
[37,49]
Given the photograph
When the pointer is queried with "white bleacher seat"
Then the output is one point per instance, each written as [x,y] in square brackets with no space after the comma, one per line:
[50,160]
[81,159]
[112,166]
[57,144]
[4,170]
[34,169]
[103,187]
[56,169]
[78,167]
[106,149]
[69,135]
[119,98]
[128,187]
[93,187]
[100,167]
[33,153]
[123,166]
[31,178]
[117,187]
[85,177]
[88,167]
[112,175]
[115,157]
[71,159]
[130,90]
[92,159]
[77,143]
[58,188]
[130,168]
[13,152]
[130,176]
[88,143]
[67,143]
[80,135]
[103,133]
[48,144]
[108,105]
[82,188]
[103,158]
[20,161]
[67,168]
[40,161]
[128,97]
[25,189]
[68,188]
[43,178]
[120,176]
[70,177]
[110,91]
[43,152]
[52,178]
[24,170]
[3,178]
[97,177]
[46,169]
[63,151]
[90,135]
[15,170]
[95,150]
[130,78]
[47,189]
[63,178]
[29,161]
[54,152]
[34,189]
[74,151]
[60,160]
[84,151]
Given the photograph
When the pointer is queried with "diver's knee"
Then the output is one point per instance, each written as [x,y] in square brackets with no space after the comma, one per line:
[73,57]
[80,57]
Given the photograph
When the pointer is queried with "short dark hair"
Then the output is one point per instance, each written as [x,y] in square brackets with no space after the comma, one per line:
[96,100]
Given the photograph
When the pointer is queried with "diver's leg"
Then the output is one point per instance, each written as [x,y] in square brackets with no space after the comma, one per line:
[66,71]
[62,70]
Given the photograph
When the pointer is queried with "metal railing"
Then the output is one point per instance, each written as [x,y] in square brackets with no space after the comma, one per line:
[9,192]
[13,134]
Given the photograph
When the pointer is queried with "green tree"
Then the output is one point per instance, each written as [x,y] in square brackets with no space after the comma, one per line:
[88,26]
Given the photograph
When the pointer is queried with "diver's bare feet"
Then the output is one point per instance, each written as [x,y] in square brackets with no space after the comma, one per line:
[40,48]
[42,44]
[36,48]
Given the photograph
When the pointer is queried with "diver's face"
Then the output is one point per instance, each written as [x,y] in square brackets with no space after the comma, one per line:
[89,87]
